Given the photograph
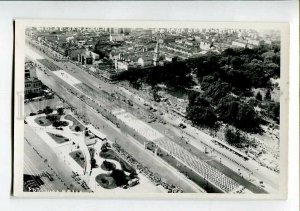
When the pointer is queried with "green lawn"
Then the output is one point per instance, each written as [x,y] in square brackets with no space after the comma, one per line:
[105,168]
[75,122]
[106,181]
[42,121]
[110,154]
[78,157]
[58,138]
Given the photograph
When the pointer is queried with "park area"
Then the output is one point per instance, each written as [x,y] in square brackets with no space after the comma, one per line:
[106,181]
[78,157]
[59,139]
[77,126]
[47,120]
[114,177]
[110,154]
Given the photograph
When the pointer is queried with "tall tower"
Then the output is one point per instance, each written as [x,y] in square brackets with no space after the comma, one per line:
[156,54]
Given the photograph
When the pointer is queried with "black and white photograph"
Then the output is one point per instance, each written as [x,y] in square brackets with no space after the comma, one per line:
[141,109]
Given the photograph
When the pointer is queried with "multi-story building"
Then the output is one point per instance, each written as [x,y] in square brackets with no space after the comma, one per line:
[254,42]
[88,57]
[32,86]
[241,44]
[145,61]
[122,63]
[116,37]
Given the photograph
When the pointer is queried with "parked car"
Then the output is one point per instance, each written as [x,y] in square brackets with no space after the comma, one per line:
[181,125]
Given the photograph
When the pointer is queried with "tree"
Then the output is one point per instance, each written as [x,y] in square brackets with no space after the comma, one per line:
[272,70]
[93,163]
[216,91]
[155,95]
[137,84]
[239,114]
[231,137]
[236,62]
[77,128]
[196,99]
[247,119]
[108,165]
[207,81]
[60,111]
[204,116]
[120,177]
[255,73]
[258,96]
[48,110]
[52,117]
[273,111]
[235,138]
[268,95]
[227,109]
[57,123]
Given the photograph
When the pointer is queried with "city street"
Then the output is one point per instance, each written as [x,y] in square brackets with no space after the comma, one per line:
[113,133]
[85,77]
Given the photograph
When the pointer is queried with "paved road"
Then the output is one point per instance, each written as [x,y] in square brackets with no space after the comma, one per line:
[35,165]
[94,82]
[63,172]
[169,174]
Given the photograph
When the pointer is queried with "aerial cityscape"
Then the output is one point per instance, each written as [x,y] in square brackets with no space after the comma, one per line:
[151,110]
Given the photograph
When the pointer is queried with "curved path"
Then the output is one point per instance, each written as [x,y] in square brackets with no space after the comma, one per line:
[77,138]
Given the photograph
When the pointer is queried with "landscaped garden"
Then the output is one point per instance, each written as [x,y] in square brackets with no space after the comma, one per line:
[110,154]
[106,181]
[51,119]
[108,166]
[58,138]
[117,177]
[42,121]
[77,126]
[78,157]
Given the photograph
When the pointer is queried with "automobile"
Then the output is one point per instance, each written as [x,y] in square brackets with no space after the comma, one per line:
[181,125]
